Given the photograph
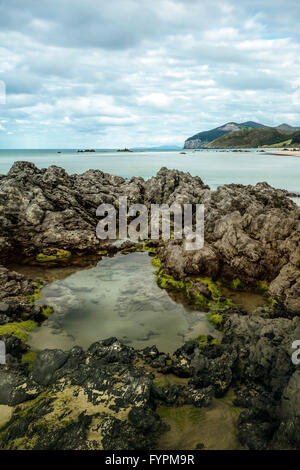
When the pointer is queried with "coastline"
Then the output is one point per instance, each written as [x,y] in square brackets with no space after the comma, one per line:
[215,167]
[285,153]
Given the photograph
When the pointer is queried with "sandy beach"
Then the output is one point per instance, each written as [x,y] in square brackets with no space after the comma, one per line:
[295,153]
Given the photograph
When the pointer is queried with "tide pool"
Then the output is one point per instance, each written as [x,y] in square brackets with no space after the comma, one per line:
[118,297]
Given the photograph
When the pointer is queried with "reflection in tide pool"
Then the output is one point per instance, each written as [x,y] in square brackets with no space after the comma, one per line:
[119,297]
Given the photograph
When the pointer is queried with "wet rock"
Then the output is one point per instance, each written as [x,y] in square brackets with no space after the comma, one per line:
[93,400]
[15,387]
[197,397]
[289,413]
[255,429]
[4,307]
[143,419]
[14,346]
[46,364]
[200,288]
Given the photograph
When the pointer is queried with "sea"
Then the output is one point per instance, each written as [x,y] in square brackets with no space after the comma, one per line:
[215,167]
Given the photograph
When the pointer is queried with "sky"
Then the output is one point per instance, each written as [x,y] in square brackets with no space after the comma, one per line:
[110,74]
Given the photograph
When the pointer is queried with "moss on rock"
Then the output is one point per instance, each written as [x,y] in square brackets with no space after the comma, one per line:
[139,248]
[181,414]
[237,285]
[216,319]
[47,311]
[156,262]
[262,287]
[204,341]
[165,281]
[29,358]
[56,255]
[37,295]
[217,302]
[18,329]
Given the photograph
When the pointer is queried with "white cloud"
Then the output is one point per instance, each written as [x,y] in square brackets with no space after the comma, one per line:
[159,100]
[138,73]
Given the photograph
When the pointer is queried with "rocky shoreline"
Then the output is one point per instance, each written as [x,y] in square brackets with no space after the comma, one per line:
[83,399]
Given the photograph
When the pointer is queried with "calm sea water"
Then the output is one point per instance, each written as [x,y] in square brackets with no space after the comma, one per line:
[214,167]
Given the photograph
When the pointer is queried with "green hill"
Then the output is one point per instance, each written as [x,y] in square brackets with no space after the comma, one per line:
[201,139]
[251,138]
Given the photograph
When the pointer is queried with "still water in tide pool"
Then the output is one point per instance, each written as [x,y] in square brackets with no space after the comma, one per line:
[119,297]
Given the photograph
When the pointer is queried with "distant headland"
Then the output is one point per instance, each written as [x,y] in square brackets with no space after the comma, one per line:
[248,134]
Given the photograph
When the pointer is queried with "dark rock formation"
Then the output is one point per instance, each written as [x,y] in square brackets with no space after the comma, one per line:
[106,398]
[16,296]
[251,232]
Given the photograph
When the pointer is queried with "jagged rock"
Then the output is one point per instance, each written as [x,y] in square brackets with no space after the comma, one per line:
[289,413]
[105,398]
[15,387]
[251,232]
[14,300]
[93,400]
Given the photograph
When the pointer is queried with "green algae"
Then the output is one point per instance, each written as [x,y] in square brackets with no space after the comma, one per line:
[156,262]
[216,319]
[102,252]
[18,329]
[236,285]
[58,256]
[182,414]
[162,383]
[272,302]
[218,301]
[148,248]
[47,311]
[203,341]
[28,410]
[199,300]
[165,281]
[145,248]
[29,358]
[228,400]
[210,428]
[37,294]
[262,287]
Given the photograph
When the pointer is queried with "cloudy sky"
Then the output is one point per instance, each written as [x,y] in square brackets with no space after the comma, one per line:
[106,74]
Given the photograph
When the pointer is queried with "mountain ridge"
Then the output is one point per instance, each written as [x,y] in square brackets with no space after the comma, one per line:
[205,138]
[201,139]
[287,127]
[253,138]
